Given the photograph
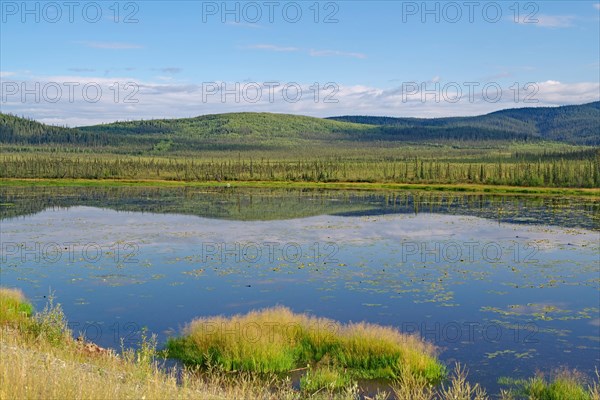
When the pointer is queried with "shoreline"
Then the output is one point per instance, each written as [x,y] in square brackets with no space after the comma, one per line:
[367,186]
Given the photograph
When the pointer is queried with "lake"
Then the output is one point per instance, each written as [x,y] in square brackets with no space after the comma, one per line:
[506,285]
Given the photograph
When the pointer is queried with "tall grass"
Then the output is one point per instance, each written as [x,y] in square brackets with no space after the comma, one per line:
[565,384]
[458,388]
[33,365]
[39,367]
[276,340]
[14,309]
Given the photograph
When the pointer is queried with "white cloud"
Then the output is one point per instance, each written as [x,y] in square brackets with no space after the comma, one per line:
[169,70]
[337,53]
[5,74]
[554,21]
[111,45]
[557,93]
[597,6]
[166,99]
[546,21]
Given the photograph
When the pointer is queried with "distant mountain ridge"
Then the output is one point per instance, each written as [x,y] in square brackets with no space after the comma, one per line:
[578,124]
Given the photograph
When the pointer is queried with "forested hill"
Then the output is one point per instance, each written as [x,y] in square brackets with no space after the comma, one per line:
[577,124]
[26,131]
[235,131]
[244,131]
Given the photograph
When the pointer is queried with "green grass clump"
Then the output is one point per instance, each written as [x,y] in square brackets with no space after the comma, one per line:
[37,367]
[49,324]
[566,385]
[276,340]
[14,309]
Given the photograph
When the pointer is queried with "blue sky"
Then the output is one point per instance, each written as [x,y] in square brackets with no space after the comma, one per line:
[170,59]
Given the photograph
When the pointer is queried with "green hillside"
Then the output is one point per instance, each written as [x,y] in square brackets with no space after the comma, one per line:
[249,146]
[235,131]
[263,125]
[571,124]
[264,131]
[26,131]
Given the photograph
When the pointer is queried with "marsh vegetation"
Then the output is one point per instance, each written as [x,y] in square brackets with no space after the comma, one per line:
[41,359]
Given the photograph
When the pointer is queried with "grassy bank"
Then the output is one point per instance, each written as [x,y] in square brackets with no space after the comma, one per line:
[34,366]
[465,188]
[277,340]
[41,360]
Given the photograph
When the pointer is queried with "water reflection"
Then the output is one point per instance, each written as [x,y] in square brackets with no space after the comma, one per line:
[273,204]
[505,292]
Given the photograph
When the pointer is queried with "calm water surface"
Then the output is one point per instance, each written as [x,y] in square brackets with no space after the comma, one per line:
[505,285]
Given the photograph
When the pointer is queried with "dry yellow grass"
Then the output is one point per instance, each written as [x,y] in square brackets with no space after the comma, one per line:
[33,365]
[40,370]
